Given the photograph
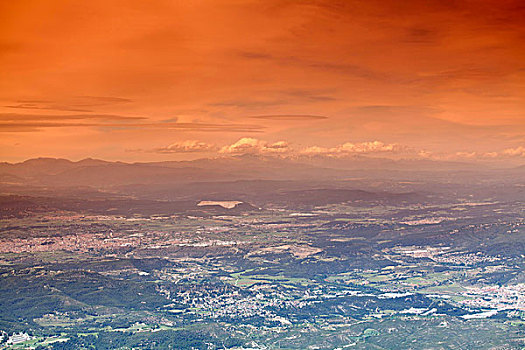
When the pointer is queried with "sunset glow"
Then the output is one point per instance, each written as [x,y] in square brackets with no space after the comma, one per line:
[262,174]
[135,80]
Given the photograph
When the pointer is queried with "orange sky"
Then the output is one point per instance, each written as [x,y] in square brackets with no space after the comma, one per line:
[155,80]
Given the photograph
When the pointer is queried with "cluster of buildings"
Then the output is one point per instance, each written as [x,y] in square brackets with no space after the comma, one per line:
[82,242]
[508,297]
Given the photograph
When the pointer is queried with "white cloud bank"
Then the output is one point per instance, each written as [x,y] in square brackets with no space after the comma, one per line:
[517,152]
[249,145]
[349,148]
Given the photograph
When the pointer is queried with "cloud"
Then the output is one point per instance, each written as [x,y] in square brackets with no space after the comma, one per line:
[389,110]
[188,146]
[464,155]
[283,149]
[16,117]
[421,35]
[356,70]
[13,122]
[47,107]
[105,99]
[248,145]
[279,97]
[37,126]
[249,103]
[208,127]
[517,152]
[75,104]
[514,152]
[350,148]
[311,95]
[289,117]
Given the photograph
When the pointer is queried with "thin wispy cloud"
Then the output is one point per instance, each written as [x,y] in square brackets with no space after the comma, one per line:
[74,104]
[289,117]
[16,117]
[47,107]
[105,99]
[12,122]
